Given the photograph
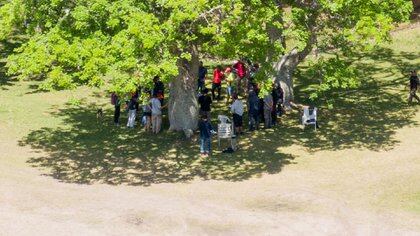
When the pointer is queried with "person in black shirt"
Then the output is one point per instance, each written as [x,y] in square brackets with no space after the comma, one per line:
[205,102]
[131,112]
[159,89]
[414,83]
[275,93]
[117,105]
[202,73]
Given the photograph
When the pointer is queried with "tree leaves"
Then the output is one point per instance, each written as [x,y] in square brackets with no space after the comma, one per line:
[123,44]
[332,74]
[10,17]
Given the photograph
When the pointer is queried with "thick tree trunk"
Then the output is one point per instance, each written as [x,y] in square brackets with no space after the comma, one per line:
[284,75]
[183,107]
[286,65]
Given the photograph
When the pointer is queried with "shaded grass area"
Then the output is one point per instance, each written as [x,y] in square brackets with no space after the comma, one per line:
[5,49]
[89,152]
[83,150]
[369,116]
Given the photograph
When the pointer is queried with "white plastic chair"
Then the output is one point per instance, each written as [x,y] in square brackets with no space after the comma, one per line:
[308,118]
[224,129]
[223,119]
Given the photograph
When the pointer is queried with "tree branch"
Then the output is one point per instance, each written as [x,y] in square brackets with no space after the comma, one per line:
[205,14]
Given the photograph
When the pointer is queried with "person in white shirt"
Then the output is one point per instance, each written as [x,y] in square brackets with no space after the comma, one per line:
[237,109]
[156,114]
[147,116]
[131,113]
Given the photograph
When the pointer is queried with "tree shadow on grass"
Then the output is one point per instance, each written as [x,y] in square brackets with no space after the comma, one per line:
[357,123]
[6,48]
[4,81]
[367,117]
[89,152]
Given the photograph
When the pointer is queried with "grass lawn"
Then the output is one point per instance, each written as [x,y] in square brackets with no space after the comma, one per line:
[414,203]
[74,147]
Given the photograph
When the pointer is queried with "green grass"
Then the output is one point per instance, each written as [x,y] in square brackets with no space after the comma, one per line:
[413,203]
[77,148]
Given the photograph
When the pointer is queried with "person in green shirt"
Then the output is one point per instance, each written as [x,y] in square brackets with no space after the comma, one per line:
[230,80]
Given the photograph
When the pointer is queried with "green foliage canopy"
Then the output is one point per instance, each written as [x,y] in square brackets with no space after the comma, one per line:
[123,44]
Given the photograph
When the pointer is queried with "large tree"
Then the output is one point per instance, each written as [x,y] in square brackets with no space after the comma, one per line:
[122,44]
[338,26]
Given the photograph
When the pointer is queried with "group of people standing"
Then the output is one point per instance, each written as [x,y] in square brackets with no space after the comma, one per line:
[240,80]
[236,77]
[152,108]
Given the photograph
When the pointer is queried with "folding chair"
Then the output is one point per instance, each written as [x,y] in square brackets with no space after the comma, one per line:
[309,117]
[224,129]
[223,119]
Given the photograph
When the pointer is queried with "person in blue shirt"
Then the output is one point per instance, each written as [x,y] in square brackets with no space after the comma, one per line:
[253,110]
[202,73]
[206,130]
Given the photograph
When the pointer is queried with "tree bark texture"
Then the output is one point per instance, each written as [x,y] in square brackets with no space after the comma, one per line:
[285,68]
[183,106]
[287,64]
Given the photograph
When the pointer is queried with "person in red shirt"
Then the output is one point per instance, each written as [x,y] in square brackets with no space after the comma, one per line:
[217,82]
[240,69]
